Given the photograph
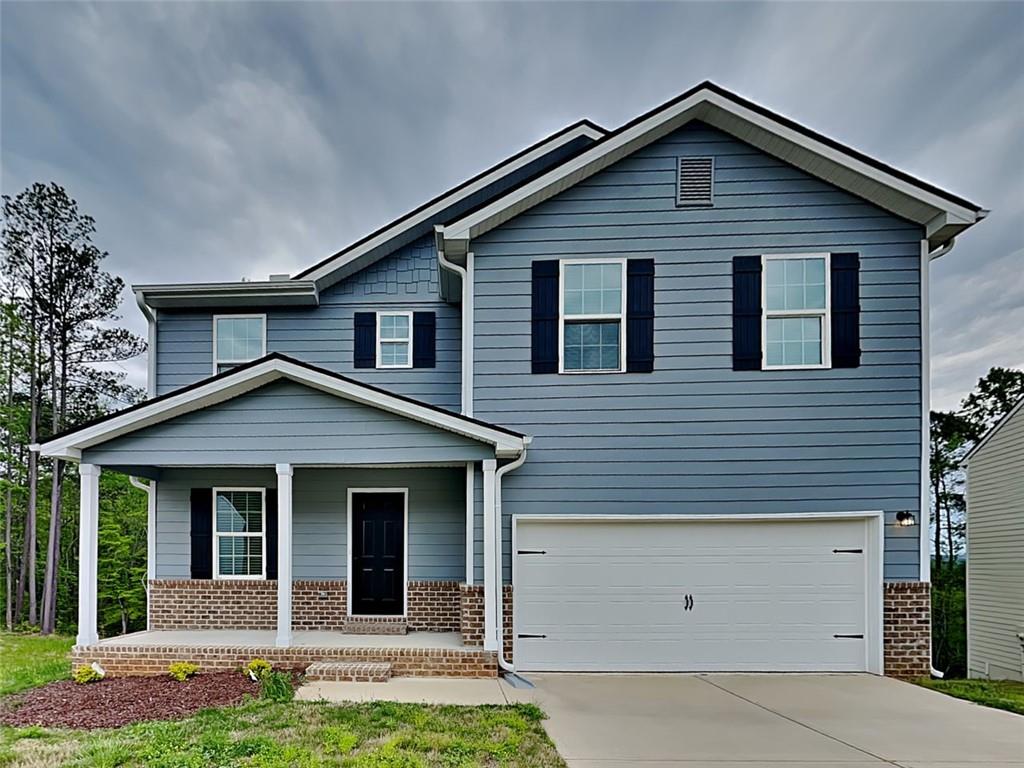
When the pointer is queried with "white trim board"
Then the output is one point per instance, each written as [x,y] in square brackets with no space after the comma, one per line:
[405,548]
[234,383]
[709,104]
[873,563]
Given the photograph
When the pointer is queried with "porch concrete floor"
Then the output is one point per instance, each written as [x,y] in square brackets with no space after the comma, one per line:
[266,638]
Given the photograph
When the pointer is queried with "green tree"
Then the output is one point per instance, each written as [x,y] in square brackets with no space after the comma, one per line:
[993,397]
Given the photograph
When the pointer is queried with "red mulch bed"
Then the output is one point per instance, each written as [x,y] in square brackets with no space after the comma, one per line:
[118,701]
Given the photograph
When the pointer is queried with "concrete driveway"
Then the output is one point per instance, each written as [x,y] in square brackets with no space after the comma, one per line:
[781,721]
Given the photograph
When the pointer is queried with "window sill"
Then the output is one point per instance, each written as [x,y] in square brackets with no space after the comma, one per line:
[796,367]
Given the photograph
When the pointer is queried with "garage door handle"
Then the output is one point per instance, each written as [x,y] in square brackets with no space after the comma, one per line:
[848,637]
[530,552]
[847,551]
[532,637]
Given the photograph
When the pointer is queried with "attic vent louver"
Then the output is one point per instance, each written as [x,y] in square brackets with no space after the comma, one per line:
[695,182]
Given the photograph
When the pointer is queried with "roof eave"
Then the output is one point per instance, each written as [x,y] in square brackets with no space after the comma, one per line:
[270,293]
[848,169]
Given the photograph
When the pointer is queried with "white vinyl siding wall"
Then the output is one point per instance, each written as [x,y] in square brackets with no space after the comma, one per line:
[995,554]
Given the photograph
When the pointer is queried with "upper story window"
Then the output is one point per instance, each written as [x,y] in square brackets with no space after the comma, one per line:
[394,339]
[796,305]
[239,528]
[591,321]
[238,339]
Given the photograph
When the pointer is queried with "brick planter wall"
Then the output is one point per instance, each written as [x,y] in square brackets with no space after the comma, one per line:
[907,633]
[209,604]
[434,606]
[408,662]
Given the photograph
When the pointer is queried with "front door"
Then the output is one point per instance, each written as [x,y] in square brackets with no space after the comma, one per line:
[378,553]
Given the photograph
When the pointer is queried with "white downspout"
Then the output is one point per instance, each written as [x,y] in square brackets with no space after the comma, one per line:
[499,581]
[150,489]
[151,347]
[926,565]
[466,276]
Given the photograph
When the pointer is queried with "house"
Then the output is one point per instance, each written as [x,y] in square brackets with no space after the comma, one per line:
[995,543]
[647,399]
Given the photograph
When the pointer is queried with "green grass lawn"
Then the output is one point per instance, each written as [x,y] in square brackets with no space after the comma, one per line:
[1001,694]
[262,734]
[30,660]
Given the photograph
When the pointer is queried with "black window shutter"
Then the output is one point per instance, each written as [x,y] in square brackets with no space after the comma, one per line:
[845,310]
[746,313]
[424,340]
[271,532]
[640,315]
[201,532]
[544,317]
[365,346]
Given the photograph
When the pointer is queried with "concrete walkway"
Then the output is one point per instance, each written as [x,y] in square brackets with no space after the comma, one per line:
[735,721]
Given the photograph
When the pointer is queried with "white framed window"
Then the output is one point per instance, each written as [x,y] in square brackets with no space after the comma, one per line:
[394,339]
[239,533]
[238,339]
[592,316]
[795,319]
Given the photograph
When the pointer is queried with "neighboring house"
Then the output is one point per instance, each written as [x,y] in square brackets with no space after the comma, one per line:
[995,551]
[646,399]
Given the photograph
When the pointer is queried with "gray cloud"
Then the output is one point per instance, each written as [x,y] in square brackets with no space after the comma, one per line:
[212,141]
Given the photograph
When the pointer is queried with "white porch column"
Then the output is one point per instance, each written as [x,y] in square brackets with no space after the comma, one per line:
[88,543]
[470,521]
[490,571]
[284,555]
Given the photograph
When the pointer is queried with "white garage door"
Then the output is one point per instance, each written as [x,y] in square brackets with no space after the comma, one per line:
[693,596]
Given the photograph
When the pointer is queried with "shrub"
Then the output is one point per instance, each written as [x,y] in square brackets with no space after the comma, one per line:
[276,686]
[90,674]
[182,670]
[258,669]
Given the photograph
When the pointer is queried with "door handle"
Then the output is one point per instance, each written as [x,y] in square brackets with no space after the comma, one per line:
[688,602]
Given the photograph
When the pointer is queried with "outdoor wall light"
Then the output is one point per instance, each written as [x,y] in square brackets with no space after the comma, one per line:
[905,519]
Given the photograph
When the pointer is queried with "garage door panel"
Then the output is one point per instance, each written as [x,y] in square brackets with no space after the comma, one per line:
[691,596]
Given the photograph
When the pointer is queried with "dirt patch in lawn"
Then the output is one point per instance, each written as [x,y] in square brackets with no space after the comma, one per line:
[118,701]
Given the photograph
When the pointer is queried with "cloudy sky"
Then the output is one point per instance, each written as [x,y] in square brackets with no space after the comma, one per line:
[216,141]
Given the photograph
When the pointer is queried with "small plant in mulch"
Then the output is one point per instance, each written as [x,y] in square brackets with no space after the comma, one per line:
[257,669]
[182,670]
[91,674]
[277,686]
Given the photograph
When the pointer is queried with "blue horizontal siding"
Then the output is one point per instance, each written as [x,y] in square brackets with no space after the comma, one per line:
[323,335]
[696,437]
[437,517]
[286,422]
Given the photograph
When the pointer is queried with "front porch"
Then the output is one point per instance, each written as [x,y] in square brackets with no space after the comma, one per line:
[418,654]
[285,498]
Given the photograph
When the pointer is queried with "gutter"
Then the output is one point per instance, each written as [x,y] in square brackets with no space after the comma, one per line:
[505,665]
[150,489]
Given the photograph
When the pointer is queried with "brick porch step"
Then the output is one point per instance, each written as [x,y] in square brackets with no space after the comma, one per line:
[349,671]
[375,625]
